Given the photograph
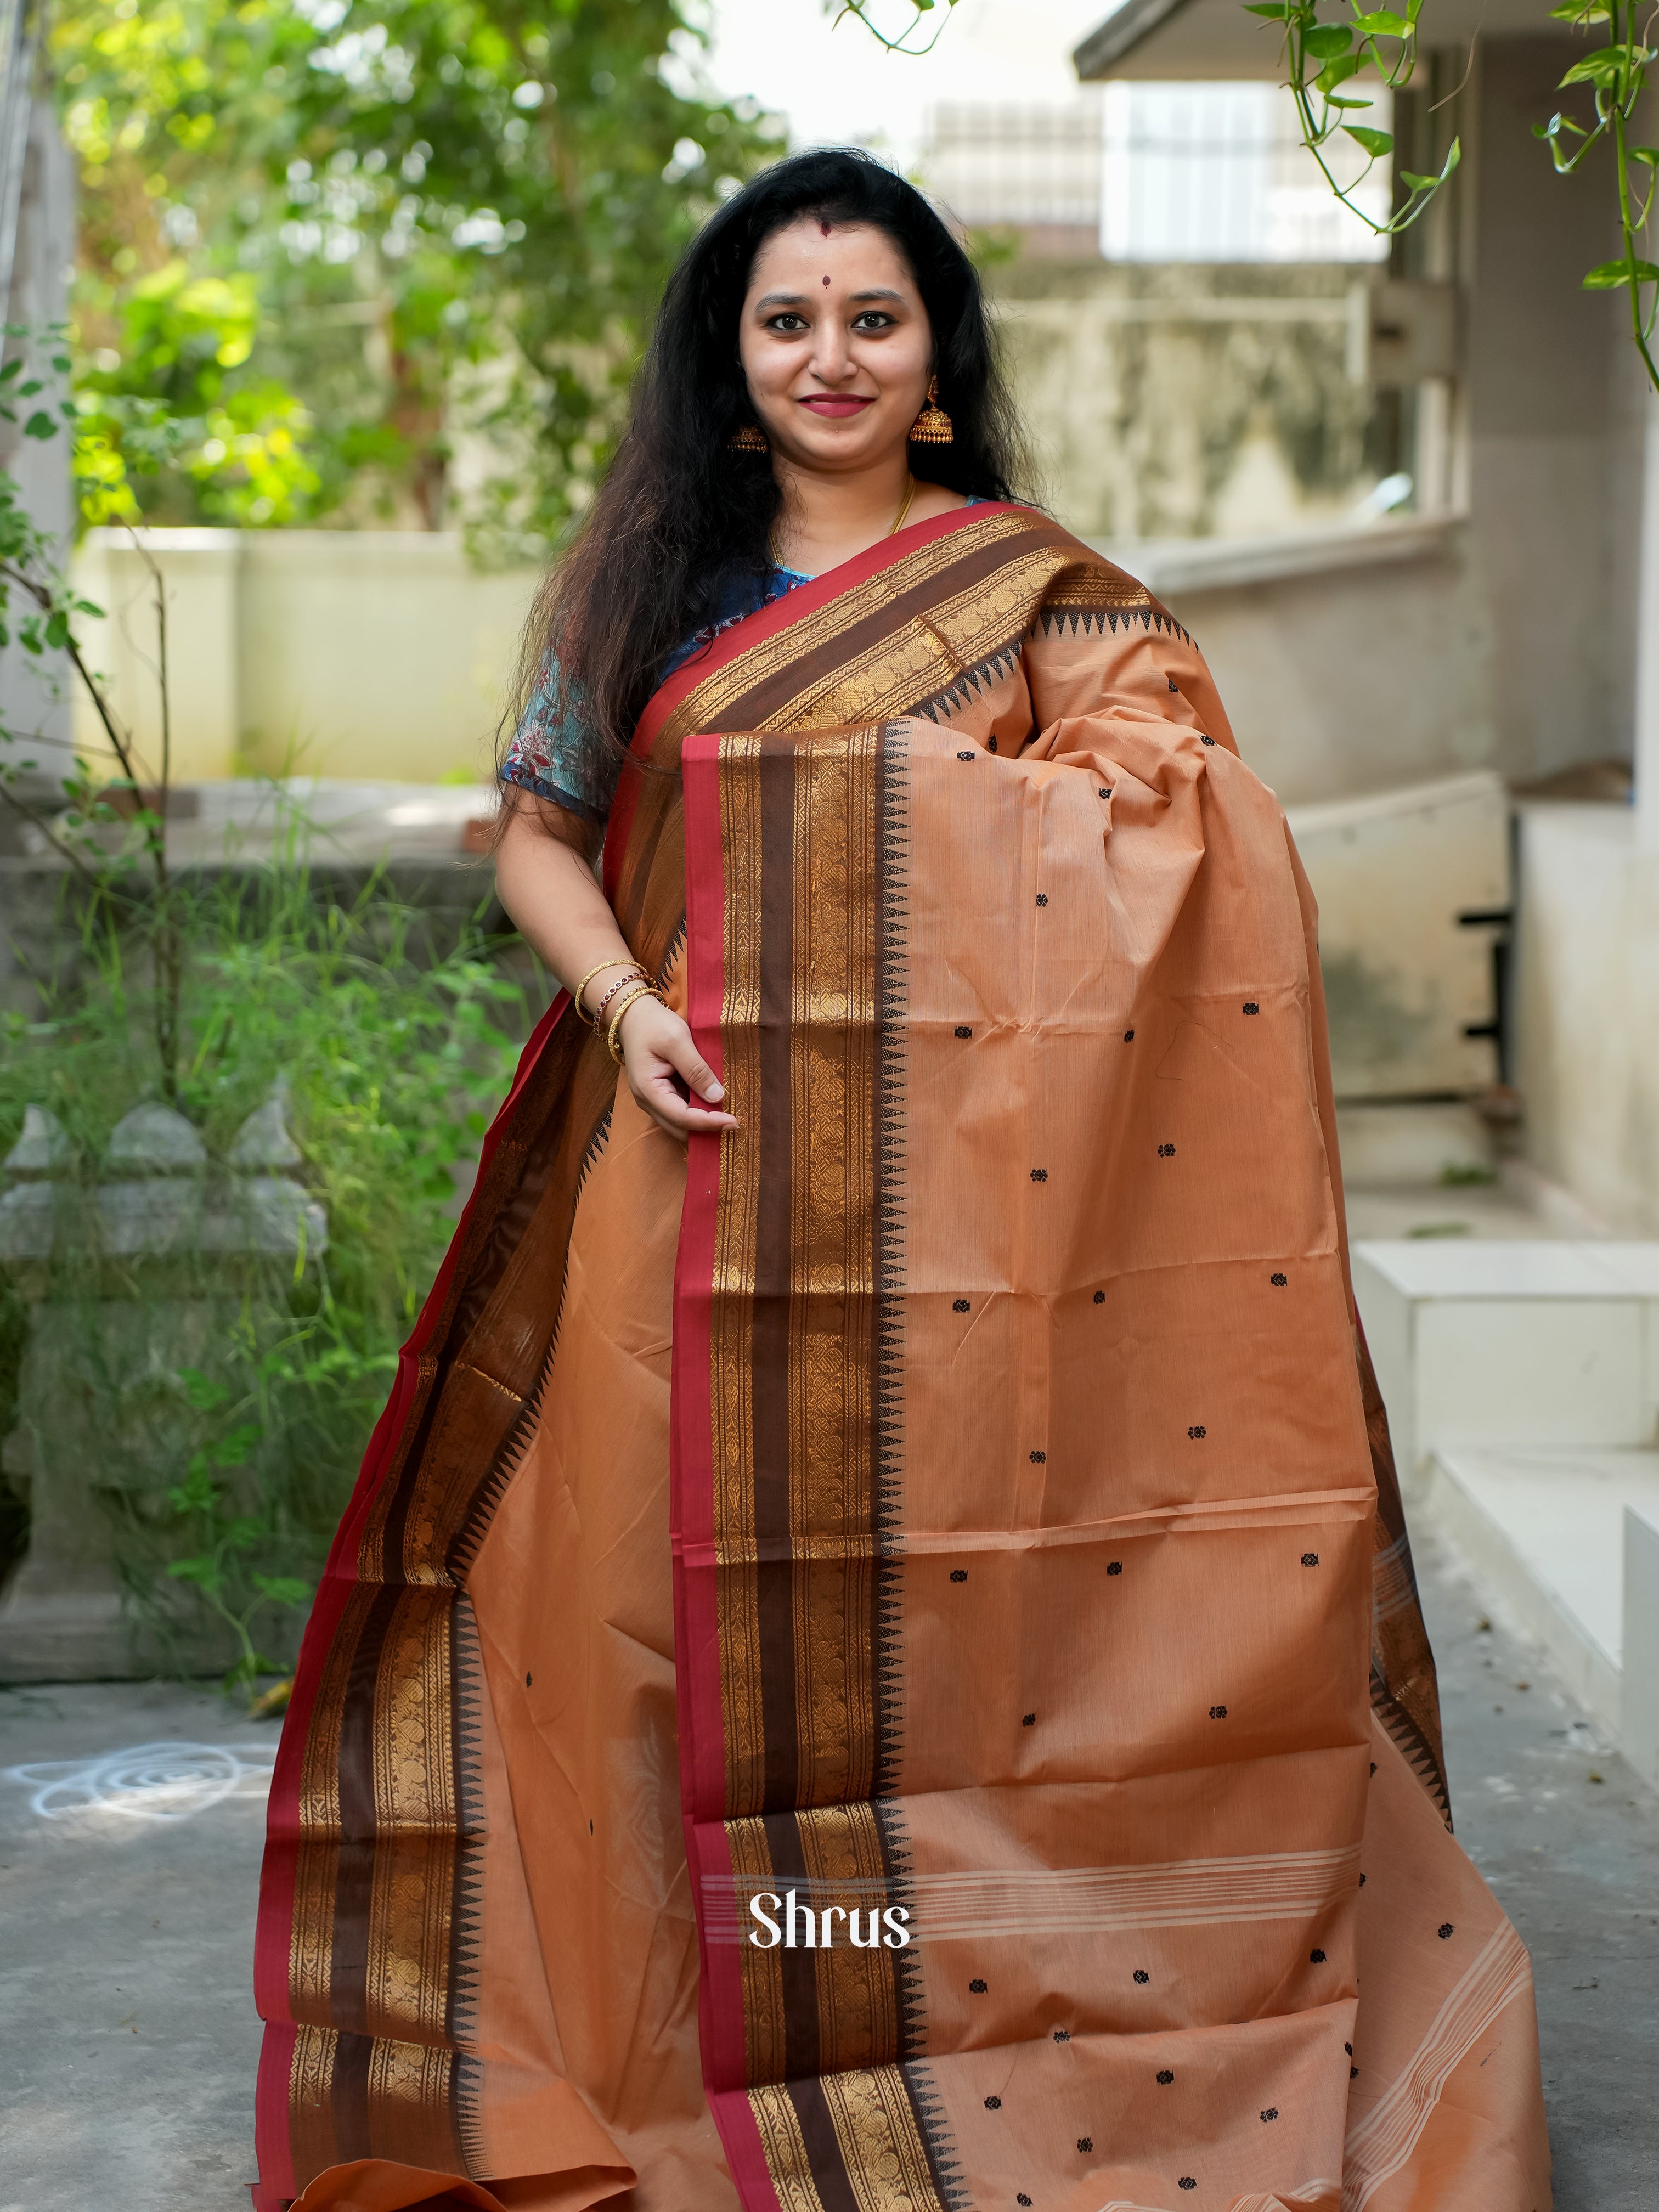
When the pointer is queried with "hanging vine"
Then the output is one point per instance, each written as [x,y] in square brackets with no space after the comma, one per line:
[1324,64]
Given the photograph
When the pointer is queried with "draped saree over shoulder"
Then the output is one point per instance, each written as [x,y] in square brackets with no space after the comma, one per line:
[873,1665]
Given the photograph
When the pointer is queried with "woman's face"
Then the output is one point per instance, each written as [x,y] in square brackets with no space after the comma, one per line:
[836,345]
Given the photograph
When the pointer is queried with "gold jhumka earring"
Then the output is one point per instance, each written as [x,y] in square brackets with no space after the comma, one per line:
[932,426]
[750,439]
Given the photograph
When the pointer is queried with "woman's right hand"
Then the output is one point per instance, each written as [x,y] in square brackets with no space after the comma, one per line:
[663,1065]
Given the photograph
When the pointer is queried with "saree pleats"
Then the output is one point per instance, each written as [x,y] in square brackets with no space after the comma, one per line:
[875,1664]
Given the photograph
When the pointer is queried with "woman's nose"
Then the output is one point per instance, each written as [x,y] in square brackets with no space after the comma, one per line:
[832,359]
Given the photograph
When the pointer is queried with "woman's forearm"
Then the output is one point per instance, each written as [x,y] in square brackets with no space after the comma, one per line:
[555,900]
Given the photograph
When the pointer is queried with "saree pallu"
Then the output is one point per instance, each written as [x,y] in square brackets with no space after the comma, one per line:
[873,1665]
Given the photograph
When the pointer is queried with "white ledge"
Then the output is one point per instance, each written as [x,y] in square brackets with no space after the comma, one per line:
[1200,564]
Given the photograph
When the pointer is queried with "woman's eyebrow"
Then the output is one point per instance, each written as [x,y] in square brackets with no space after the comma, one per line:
[899,296]
[781,300]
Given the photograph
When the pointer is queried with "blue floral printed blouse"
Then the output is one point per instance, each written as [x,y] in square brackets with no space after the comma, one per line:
[554,751]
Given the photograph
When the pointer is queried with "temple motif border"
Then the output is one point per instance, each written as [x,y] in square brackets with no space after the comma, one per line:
[787,1375]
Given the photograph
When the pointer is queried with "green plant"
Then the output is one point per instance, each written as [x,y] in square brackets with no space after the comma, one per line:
[1326,61]
[438,219]
[227,1403]
[232,1402]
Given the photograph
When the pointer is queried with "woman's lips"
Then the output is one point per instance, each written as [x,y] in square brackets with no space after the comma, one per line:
[835,405]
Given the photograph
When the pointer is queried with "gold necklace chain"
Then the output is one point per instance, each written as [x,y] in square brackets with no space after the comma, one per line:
[898,519]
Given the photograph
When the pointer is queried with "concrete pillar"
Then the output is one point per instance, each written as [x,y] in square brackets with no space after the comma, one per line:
[1647,640]
[34,693]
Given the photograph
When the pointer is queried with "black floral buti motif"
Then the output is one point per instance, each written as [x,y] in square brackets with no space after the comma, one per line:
[1316,1958]
[1062,2035]
[1128,1036]
[1114,1566]
[958,1574]
[1310,1559]
[993,2104]
[1165,2077]
[1444,1931]
[990,744]
[1085,2144]
[1278,1281]
[1251,1007]
[958,1305]
[1028,1720]
[963,1029]
[1197,1434]
[1100,1298]
[1039,1458]
[1141,1975]
[1039,1175]
[1203,740]
[966,756]
[1218,1712]
[1166,1151]
[1105,790]
[1020,2196]
[1272,2113]
[1186,2180]
[977,1987]
[1042,898]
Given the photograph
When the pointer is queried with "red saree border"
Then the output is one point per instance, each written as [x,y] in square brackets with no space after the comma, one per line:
[273,1927]
[769,621]
[690,1511]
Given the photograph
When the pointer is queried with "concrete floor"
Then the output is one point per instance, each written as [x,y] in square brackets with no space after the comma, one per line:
[127,1892]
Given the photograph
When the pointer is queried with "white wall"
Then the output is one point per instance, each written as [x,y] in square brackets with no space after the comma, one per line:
[369,654]
[1587,1008]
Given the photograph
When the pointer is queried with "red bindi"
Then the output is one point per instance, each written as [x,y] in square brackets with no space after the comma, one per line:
[826,281]
[825,227]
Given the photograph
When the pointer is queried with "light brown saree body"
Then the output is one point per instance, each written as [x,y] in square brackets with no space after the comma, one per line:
[950,1508]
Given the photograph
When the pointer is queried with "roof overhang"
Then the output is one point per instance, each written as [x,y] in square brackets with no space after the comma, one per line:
[1168,40]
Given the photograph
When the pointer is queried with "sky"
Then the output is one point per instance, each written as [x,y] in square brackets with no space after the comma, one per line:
[836,84]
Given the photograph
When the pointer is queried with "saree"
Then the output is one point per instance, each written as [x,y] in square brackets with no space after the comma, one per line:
[873,1664]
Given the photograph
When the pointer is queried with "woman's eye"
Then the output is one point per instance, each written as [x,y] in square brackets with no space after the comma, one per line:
[873,320]
[786,324]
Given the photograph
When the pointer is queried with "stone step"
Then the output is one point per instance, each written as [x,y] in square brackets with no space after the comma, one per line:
[1482,1343]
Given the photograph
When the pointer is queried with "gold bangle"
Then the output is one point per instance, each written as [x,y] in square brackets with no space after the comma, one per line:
[597,969]
[639,991]
[635,975]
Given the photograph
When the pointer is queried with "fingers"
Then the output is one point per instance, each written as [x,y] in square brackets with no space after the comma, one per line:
[658,1048]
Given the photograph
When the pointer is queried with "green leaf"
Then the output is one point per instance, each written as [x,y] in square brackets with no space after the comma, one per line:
[1277,9]
[12,368]
[39,425]
[58,631]
[1328,40]
[1375,142]
[1382,23]
[1338,72]
[1580,11]
[204,1572]
[1605,65]
[283,1589]
[1612,274]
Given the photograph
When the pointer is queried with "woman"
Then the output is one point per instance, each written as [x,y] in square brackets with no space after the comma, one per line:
[849,1678]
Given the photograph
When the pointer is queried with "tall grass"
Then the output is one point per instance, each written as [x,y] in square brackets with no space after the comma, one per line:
[230,1401]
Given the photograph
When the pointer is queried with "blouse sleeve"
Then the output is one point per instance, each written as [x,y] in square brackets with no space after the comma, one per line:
[557,752]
